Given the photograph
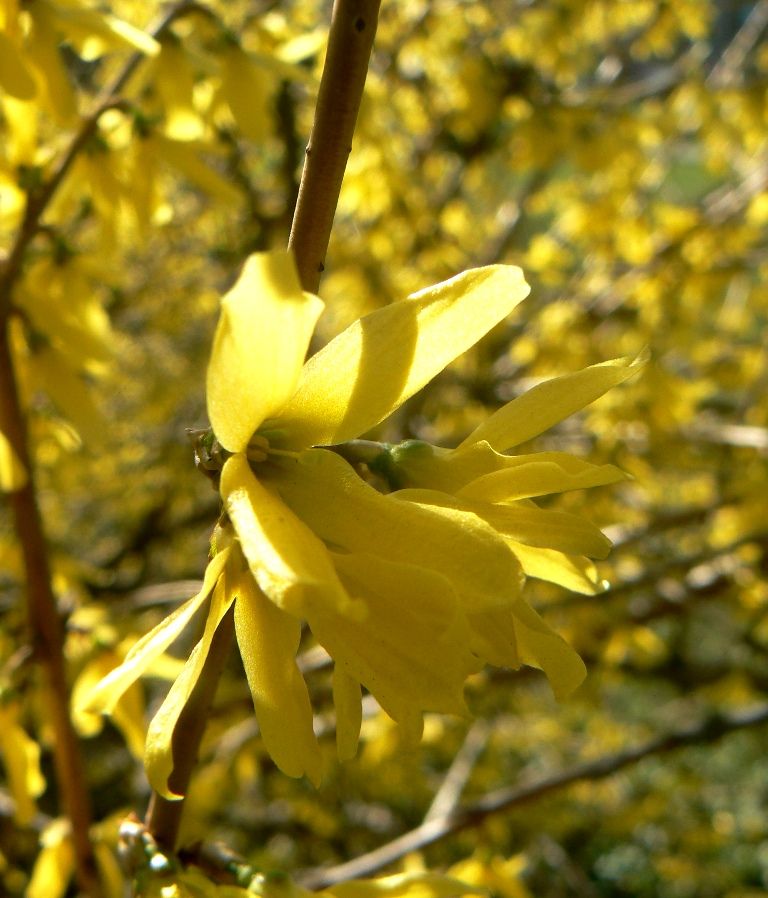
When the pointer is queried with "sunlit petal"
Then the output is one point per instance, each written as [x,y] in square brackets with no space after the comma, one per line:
[324,490]
[573,572]
[268,639]
[290,564]
[261,339]
[410,650]
[106,695]
[535,476]
[363,375]
[550,402]
[158,755]
[525,523]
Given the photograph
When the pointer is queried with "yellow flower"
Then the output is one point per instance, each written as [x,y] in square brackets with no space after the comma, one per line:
[411,587]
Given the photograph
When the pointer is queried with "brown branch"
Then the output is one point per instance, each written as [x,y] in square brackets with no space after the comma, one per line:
[46,633]
[164,816]
[353,26]
[710,729]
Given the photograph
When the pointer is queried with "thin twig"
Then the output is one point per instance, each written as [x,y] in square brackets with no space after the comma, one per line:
[448,796]
[353,27]
[710,729]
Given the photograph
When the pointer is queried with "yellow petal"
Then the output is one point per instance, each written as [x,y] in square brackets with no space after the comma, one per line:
[363,375]
[573,572]
[411,648]
[158,754]
[539,646]
[347,700]
[550,402]
[324,490]
[149,647]
[525,523]
[290,564]
[268,639]
[15,76]
[21,759]
[13,475]
[259,347]
[537,476]
[55,864]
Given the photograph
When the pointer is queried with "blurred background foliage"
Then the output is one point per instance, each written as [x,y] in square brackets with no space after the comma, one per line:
[617,151]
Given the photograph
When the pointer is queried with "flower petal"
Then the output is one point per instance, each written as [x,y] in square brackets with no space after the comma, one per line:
[537,476]
[550,402]
[324,490]
[13,475]
[158,755]
[347,700]
[378,362]
[106,695]
[259,347]
[573,572]
[411,648]
[525,523]
[290,564]
[268,639]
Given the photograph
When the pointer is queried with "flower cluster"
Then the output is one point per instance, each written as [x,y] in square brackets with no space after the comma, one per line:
[407,562]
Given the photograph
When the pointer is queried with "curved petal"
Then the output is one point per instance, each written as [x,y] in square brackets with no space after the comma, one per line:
[525,523]
[573,572]
[158,755]
[259,347]
[268,639]
[347,700]
[107,693]
[411,649]
[290,564]
[539,478]
[378,362]
[550,402]
[324,490]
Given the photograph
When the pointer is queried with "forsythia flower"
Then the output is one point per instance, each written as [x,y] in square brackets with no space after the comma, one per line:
[410,590]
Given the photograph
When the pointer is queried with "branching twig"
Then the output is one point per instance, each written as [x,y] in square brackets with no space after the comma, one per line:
[710,729]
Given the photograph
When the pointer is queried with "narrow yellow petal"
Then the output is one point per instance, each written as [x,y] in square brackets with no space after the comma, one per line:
[55,864]
[290,564]
[540,646]
[573,572]
[268,639]
[347,700]
[539,477]
[550,402]
[158,754]
[378,362]
[20,757]
[13,475]
[105,696]
[525,522]
[411,648]
[417,884]
[324,490]
[261,339]
[15,76]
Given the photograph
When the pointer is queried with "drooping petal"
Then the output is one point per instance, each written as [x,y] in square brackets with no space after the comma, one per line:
[550,402]
[347,700]
[13,475]
[525,522]
[106,695]
[290,564]
[324,490]
[539,646]
[539,477]
[411,648]
[520,636]
[378,362]
[574,572]
[259,347]
[158,754]
[268,639]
